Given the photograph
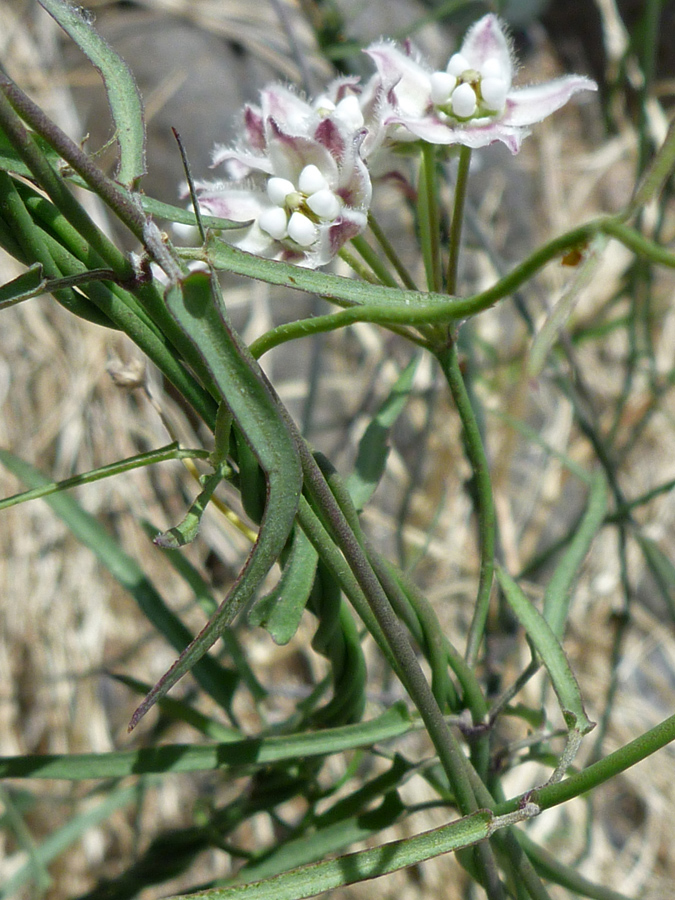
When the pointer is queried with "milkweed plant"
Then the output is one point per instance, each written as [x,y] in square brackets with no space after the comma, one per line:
[292,194]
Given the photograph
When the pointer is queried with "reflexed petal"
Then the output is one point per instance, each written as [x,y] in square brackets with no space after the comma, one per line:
[525,106]
[402,74]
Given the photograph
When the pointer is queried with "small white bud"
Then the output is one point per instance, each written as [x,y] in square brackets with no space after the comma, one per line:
[311,180]
[325,204]
[442,85]
[273,222]
[463,101]
[494,91]
[278,189]
[301,229]
[458,64]
[323,105]
[349,111]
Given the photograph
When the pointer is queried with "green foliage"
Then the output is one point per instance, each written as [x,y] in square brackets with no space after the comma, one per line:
[310,534]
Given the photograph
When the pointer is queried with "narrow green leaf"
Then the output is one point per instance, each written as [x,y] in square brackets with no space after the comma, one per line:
[563,309]
[661,568]
[29,284]
[553,657]
[319,843]
[280,611]
[171,451]
[208,603]
[123,95]
[181,711]
[219,682]
[11,162]
[197,306]
[187,529]
[558,591]
[64,837]
[182,758]
[355,867]
[373,450]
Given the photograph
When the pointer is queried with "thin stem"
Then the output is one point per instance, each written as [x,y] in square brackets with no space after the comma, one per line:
[458,217]
[374,261]
[452,759]
[449,362]
[391,253]
[428,217]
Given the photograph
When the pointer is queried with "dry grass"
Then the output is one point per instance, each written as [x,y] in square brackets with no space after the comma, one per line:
[64,622]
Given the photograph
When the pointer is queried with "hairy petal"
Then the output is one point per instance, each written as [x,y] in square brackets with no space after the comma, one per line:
[484,41]
[525,106]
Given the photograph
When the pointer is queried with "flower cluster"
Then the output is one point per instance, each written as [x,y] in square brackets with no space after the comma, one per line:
[300,179]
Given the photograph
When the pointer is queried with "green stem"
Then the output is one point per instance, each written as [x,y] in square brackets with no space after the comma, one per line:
[428,218]
[449,362]
[172,451]
[391,253]
[458,217]
[452,759]
[374,261]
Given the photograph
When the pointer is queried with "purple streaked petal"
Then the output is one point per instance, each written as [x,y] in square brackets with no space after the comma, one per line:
[254,128]
[282,105]
[525,106]
[329,134]
[289,154]
[486,40]
[403,76]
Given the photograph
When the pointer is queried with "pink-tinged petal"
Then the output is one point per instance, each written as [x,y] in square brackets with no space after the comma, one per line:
[289,154]
[525,106]
[434,131]
[328,134]
[237,204]
[342,87]
[404,78]
[282,105]
[254,127]
[485,40]
[239,162]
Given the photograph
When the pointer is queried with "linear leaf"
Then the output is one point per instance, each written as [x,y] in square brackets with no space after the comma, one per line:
[219,682]
[65,836]
[316,878]
[280,611]
[197,306]
[29,284]
[182,758]
[123,95]
[548,647]
[557,596]
[373,450]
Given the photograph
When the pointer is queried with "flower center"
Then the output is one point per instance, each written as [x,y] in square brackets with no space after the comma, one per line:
[297,210]
[466,93]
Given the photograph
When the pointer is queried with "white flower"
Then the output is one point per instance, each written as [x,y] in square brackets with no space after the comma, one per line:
[299,182]
[471,102]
